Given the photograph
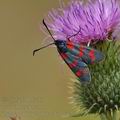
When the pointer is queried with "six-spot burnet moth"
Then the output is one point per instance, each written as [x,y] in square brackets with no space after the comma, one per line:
[76,56]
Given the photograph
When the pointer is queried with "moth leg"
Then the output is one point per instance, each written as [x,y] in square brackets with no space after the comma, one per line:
[88,44]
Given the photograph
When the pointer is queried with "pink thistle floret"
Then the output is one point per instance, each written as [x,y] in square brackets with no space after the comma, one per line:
[96,20]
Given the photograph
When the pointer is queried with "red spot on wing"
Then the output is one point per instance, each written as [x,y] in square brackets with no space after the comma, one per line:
[81,51]
[70,45]
[80,54]
[73,64]
[92,55]
[79,73]
[82,72]
[64,55]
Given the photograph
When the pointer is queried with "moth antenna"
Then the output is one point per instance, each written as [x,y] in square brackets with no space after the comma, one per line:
[48,29]
[36,50]
[43,29]
[75,34]
[48,44]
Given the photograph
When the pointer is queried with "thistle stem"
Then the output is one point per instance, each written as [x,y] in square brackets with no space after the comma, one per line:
[110,116]
[116,115]
[103,117]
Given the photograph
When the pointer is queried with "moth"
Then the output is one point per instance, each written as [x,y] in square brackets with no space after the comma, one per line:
[76,56]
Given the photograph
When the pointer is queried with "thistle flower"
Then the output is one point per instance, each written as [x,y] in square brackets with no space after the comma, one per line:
[99,22]
[95,21]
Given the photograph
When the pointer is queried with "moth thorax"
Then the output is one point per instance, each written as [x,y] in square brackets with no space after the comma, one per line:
[61,45]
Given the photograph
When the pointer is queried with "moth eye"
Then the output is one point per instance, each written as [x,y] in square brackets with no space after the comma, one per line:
[63,43]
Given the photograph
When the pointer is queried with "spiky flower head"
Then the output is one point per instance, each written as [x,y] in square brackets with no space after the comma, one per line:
[93,21]
[102,95]
[97,21]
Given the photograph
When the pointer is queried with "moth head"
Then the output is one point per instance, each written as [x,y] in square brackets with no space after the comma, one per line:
[61,45]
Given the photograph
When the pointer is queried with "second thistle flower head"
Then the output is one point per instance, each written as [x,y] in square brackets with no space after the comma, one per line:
[93,21]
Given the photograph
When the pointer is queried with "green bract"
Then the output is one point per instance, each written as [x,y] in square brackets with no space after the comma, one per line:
[102,94]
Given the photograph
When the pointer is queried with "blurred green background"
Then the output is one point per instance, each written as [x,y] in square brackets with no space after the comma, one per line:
[32,88]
